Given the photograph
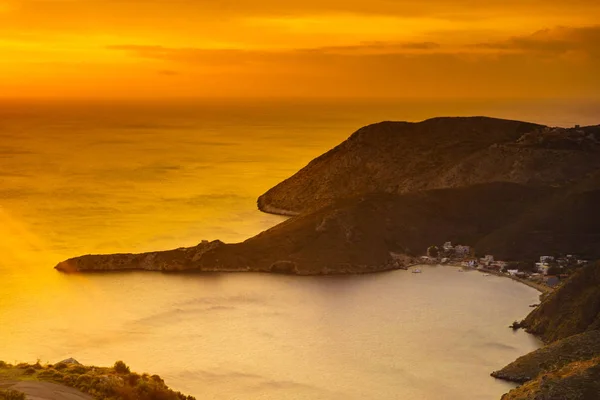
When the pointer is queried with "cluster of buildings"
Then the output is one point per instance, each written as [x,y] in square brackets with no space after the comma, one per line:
[549,270]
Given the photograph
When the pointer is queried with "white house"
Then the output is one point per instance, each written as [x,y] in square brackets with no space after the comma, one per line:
[512,272]
[546,259]
[542,268]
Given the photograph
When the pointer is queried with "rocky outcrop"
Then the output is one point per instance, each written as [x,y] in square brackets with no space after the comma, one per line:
[579,380]
[577,348]
[402,157]
[569,366]
[181,259]
[69,361]
[573,309]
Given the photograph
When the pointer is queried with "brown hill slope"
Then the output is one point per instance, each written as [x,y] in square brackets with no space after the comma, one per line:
[579,380]
[353,236]
[402,157]
[569,367]
[573,309]
[582,347]
[358,234]
[568,222]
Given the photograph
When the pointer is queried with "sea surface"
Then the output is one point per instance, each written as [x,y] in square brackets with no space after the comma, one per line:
[99,176]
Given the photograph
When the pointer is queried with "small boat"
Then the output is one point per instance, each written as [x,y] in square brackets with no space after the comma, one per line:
[461,270]
[486,274]
[416,271]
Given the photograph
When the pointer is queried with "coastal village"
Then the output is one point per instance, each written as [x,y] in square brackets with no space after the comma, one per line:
[545,273]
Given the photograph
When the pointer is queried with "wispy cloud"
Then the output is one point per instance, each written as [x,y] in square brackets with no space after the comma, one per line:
[167,72]
[554,41]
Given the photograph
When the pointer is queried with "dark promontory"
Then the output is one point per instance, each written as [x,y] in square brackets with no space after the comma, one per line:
[509,188]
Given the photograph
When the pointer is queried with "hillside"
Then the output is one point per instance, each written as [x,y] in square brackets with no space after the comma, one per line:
[508,188]
[403,157]
[354,236]
[578,380]
[581,347]
[573,309]
[568,367]
[566,222]
[359,235]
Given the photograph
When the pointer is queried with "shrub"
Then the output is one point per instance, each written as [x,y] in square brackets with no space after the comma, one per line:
[30,371]
[51,373]
[116,383]
[68,380]
[84,380]
[3,364]
[121,368]
[11,395]
[133,379]
[60,366]
[76,369]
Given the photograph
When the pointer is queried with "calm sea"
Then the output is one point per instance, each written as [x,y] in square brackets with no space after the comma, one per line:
[95,177]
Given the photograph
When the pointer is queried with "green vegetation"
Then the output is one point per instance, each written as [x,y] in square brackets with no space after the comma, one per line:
[121,368]
[115,383]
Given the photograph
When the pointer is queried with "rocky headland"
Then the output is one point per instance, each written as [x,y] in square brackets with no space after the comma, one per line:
[379,199]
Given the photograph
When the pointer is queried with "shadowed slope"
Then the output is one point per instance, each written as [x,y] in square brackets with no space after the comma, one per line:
[353,236]
[366,199]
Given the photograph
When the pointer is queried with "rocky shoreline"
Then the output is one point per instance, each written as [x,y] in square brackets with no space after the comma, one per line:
[377,193]
[568,366]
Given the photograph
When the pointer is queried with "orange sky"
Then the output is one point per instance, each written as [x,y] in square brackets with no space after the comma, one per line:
[310,48]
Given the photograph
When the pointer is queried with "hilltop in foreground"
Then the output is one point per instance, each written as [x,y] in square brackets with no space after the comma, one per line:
[69,380]
[509,188]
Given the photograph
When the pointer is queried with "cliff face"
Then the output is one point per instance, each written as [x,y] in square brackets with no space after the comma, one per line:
[402,157]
